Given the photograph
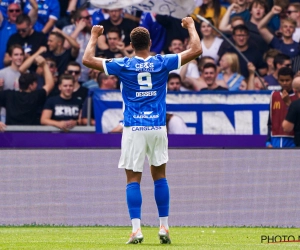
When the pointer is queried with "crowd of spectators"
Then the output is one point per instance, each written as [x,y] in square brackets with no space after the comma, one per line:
[43,39]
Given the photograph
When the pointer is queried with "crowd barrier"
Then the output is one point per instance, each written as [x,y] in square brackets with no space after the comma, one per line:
[207,113]
[219,120]
[209,187]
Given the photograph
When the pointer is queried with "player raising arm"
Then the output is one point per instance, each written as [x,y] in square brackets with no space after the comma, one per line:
[195,49]
[143,84]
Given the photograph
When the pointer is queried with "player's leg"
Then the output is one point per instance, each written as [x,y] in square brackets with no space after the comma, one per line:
[162,198]
[134,203]
[157,154]
[132,159]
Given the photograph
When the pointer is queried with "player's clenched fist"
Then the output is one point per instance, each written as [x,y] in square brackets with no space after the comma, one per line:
[97,30]
[187,22]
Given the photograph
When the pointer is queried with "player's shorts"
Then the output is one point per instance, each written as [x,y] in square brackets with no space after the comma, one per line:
[141,141]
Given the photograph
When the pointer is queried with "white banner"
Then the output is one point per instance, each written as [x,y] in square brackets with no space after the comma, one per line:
[174,8]
[225,113]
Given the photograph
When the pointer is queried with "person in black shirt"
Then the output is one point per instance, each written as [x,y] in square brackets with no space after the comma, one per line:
[241,41]
[26,36]
[58,52]
[79,92]
[123,24]
[22,106]
[62,111]
[292,120]
[116,48]
[209,75]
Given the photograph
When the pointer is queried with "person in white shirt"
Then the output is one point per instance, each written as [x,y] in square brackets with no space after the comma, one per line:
[210,42]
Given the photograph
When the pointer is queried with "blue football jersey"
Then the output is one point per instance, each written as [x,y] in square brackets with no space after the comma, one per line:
[46,9]
[143,86]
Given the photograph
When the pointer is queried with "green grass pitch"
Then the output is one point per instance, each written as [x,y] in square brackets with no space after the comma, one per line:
[42,237]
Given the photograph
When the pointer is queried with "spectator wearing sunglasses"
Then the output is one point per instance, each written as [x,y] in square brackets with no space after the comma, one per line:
[280,61]
[293,12]
[57,50]
[79,92]
[27,37]
[81,31]
[48,14]
[8,24]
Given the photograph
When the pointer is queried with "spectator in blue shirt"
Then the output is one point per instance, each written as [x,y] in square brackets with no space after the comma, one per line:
[157,32]
[48,14]
[4,6]
[286,45]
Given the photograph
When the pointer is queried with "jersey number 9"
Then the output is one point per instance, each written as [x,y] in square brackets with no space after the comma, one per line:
[144,80]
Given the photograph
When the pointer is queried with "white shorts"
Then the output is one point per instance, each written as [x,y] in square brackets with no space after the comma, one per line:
[141,141]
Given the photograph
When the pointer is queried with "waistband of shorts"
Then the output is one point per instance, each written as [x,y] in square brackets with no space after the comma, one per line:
[145,128]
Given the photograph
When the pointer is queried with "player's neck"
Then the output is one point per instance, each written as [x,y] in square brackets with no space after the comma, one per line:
[142,53]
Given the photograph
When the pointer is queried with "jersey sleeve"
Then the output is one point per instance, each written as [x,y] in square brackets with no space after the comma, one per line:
[172,61]
[113,66]
[54,11]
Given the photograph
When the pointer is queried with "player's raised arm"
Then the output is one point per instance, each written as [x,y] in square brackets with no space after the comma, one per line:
[89,59]
[195,49]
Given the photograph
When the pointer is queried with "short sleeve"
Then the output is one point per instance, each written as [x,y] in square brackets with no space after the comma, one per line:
[292,113]
[49,104]
[54,9]
[172,61]
[113,66]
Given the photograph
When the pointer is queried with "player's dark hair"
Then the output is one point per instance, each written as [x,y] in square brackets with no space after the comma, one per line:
[240,27]
[26,79]
[140,38]
[14,46]
[209,65]
[279,59]
[73,63]
[174,75]
[65,77]
[23,18]
[286,71]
